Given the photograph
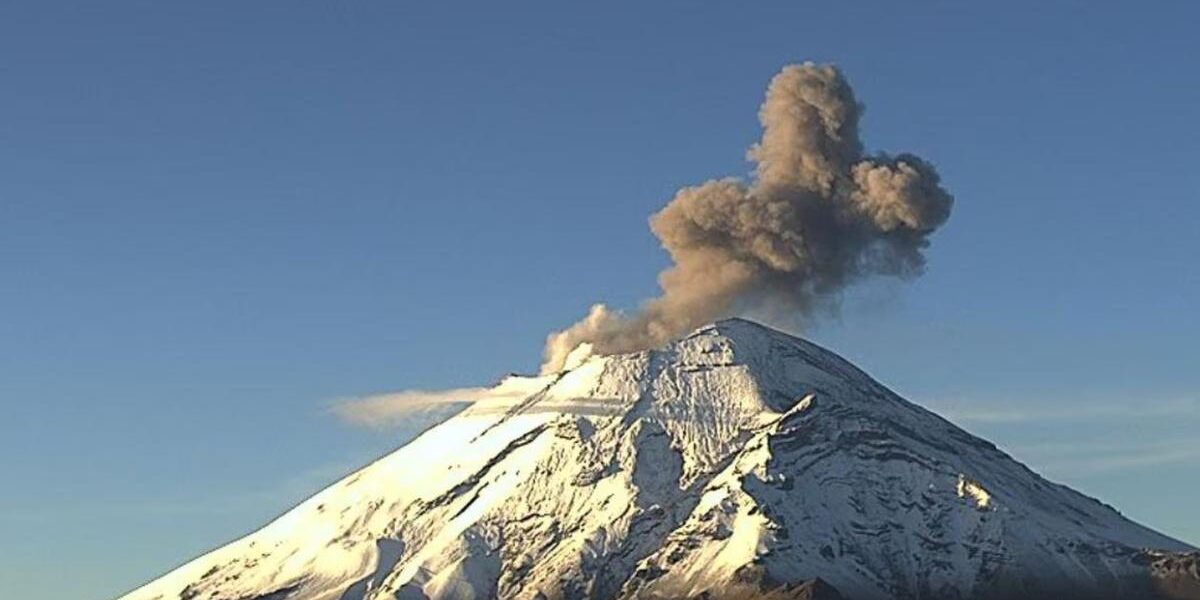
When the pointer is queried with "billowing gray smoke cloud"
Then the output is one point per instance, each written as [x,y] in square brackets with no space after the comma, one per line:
[818,216]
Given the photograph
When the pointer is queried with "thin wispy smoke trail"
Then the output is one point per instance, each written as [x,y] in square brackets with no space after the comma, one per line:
[818,215]
[388,409]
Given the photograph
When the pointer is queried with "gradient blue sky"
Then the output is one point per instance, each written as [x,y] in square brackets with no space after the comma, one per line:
[216,218]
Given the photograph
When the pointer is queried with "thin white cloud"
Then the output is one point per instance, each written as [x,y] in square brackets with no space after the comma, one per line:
[1097,457]
[1134,408]
[1093,438]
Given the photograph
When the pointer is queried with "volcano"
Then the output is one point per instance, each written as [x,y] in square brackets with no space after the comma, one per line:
[737,462]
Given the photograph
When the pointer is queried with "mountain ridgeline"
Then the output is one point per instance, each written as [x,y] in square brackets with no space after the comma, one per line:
[737,462]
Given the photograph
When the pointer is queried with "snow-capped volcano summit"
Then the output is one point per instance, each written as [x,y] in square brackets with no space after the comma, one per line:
[736,462]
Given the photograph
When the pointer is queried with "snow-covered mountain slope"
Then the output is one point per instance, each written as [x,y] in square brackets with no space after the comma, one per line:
[737,462]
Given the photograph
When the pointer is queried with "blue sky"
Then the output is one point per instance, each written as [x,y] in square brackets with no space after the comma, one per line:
[218,218]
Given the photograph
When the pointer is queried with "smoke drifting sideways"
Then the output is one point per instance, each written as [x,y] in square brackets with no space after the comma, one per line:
[386,410]
[819,215]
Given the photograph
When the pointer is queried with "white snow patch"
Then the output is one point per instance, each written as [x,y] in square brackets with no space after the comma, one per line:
[968,487]
[577,356]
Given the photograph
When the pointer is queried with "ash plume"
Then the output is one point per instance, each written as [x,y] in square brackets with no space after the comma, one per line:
[818,215]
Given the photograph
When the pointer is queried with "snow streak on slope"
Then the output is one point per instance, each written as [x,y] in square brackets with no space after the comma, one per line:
[735,462]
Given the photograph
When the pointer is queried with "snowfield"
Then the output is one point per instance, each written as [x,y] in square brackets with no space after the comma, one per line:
[737,462]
